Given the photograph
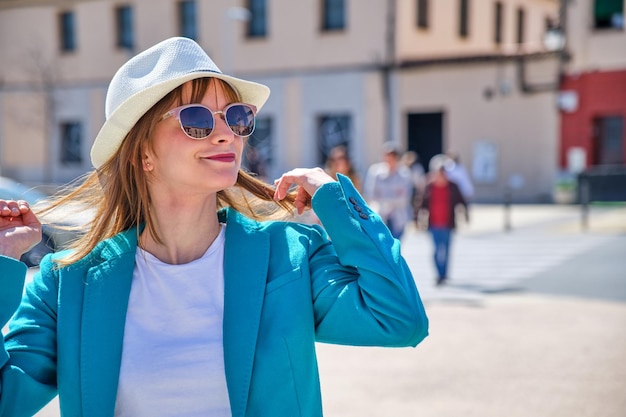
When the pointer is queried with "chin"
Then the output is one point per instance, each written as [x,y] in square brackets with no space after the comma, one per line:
[227,180]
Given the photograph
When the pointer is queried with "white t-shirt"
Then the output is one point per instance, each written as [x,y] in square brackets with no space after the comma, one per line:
[173,356]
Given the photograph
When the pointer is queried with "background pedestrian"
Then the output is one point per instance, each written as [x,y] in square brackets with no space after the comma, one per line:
[418,177]
[388,187]
[439,202]
[339,162]
[457,173]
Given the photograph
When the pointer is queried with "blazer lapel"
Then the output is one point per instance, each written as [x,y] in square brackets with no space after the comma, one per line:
[246,259]
[106,292]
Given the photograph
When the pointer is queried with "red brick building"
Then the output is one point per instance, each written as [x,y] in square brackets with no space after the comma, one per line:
[593,89]
[593,113]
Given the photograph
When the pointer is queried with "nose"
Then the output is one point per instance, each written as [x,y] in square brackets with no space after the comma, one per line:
[221,132]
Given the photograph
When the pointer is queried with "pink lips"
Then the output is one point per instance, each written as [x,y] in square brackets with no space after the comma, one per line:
[222,157]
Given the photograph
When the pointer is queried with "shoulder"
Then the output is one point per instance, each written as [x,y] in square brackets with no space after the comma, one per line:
[377,169]
[454,186]
[405,171]
[282,226]
[121,245]
[241,224]
[456,191]
[10,266]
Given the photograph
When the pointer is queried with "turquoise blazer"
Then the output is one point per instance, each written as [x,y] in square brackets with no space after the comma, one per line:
[287,285]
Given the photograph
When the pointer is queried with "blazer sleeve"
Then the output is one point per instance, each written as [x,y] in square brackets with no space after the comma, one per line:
[28,355]
[363,291]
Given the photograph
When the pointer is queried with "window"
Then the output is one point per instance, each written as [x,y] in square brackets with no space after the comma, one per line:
[257,25]
[68,31]
[71,143]
[422,14]
[333,130]
[497,24]
[464,18]
[187,19]
[257,156]
[521,21]
[333,15]
[608,14]
[124,19]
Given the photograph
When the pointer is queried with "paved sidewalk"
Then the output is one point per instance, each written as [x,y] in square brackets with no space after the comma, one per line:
[510,356]
[491,218]
[487,258]
[555,346]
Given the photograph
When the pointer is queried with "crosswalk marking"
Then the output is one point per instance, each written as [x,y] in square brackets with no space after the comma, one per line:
[496,261]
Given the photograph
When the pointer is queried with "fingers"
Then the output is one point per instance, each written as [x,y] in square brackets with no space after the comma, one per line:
[12,208]
[18,211]
[303,200]
[20,229]
[308,180]
[296,176]
[282,187]
[29,219]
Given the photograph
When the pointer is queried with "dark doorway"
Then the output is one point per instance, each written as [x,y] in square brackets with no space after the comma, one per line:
[425,135]
[608,143]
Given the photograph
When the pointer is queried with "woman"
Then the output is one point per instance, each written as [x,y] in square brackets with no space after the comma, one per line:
[184,297]
[338,162]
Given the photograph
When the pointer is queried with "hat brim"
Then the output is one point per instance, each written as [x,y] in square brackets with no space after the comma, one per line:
[125,116]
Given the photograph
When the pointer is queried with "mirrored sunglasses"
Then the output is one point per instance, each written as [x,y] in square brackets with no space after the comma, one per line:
[198,121]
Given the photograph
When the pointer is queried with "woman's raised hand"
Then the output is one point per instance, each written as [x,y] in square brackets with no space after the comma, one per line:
[308,181]
[20,230]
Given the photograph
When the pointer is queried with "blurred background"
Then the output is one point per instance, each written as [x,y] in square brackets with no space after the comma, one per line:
[530,95]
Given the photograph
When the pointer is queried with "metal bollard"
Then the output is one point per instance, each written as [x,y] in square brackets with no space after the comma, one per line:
[508,197]
[584,202]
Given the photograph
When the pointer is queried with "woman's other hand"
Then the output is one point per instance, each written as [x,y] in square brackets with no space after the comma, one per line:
[307,180]
[20,230]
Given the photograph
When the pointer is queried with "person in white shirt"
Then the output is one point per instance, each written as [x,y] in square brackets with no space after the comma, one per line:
[457,173]
[388,188]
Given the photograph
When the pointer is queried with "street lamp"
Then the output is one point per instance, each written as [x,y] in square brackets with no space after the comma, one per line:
[232,14]
[554,40]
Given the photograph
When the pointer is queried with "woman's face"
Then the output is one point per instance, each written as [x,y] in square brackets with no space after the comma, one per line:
[439,177]
[338,162]
[341,163]
[180,164]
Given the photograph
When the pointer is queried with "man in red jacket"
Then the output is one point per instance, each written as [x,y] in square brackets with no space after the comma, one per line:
[440,199]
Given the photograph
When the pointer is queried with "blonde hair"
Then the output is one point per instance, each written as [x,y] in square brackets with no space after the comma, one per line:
[118,190]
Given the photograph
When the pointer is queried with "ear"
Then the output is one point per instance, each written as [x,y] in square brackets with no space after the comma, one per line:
[146,163]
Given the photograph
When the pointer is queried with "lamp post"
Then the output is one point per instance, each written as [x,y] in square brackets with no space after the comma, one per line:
[387,70]
[232,14]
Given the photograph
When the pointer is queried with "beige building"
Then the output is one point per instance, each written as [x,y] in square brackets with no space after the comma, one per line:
[596,43]
[476,76]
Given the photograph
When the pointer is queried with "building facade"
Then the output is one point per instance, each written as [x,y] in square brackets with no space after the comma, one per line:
[593,91]
[475,76]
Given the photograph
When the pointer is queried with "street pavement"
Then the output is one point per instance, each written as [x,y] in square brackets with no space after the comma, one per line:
[532,324]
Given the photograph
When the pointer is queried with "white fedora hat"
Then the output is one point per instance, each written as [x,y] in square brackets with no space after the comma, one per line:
[148,77]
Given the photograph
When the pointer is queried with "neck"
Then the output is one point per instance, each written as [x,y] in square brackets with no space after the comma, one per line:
[186,229]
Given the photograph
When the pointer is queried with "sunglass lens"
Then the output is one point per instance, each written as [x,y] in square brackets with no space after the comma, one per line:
[197,122]
[240,119]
